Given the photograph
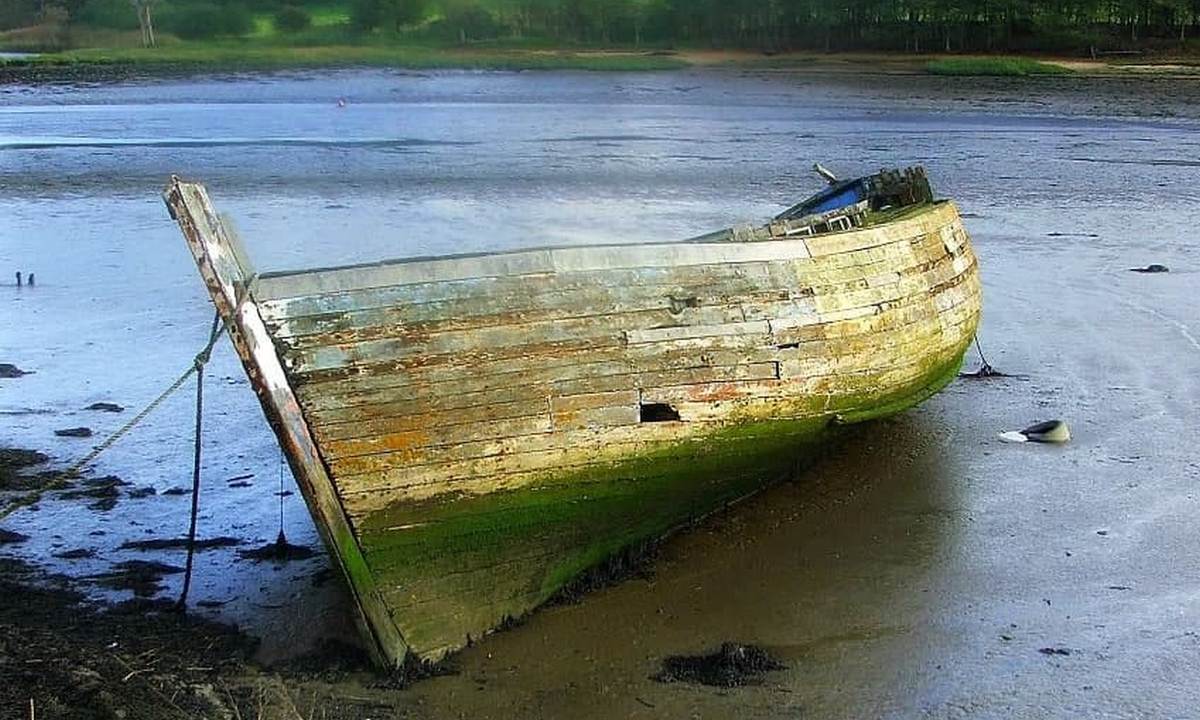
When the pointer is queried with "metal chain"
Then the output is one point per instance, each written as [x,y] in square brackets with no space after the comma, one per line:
[65,476]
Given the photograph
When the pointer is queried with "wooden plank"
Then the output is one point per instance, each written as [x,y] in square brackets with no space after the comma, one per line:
[600,331]
[433,437]
[613,437]
[587,401]
[400,272]
[524,262]
[684,376]
[443,388]
[493,311]
[389,419]
[685,332]
[520,293]
[596,417]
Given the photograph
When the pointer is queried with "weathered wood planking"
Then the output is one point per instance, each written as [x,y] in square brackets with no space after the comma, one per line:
[564,297]
[483,427]
[371,480]
[592,333]
[598,294]
[408,451]
[534,385]
[489,374]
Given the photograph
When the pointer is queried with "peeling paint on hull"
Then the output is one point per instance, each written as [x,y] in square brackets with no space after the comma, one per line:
[473,432]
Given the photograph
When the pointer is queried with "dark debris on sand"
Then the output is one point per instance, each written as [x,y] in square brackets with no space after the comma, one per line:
[1054,651]
[142,577]
[143,660]
[279,551]
[732,665]
[8,371]
[986,372]
[78,432]
[13,463]
[77,662]
[10,537]
[180,543]
[102,489]
[331,656]
[632,562]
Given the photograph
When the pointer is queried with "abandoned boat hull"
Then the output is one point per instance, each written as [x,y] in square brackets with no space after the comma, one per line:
[473,432]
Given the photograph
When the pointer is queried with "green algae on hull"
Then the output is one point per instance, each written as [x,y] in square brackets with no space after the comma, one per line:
[505,553]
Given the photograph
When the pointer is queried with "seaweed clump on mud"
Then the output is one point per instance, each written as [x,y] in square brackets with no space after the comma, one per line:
[180,543]
[144,578]
[732,665]
[64,659]
[14,462]
[280,551]
[335,660]
[414,670]
[8,371]
[636,561]
[142,659]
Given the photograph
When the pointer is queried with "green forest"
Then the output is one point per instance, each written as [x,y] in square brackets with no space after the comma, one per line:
[915,26]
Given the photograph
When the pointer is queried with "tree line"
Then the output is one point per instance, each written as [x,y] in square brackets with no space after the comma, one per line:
[766,25]
[779,25]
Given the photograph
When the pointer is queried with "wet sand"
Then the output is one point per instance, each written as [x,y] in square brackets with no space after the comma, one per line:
[924,568]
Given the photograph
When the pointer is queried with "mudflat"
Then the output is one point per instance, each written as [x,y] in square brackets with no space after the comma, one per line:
[921,568]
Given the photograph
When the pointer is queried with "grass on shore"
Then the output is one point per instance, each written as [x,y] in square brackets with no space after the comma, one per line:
[330,42]
[998,66]
[240,55]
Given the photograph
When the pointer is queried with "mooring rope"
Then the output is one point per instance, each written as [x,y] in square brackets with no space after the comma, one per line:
[986,368]
[62,478]
[200,362]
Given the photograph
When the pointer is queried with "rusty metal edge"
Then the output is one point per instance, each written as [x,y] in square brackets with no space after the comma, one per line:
[248,334]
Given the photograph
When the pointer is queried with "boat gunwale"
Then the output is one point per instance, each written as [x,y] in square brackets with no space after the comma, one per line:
[699,241]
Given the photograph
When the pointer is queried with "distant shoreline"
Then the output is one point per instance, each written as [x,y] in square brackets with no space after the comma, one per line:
[195,58]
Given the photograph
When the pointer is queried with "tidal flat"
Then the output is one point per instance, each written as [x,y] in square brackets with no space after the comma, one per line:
[920,568]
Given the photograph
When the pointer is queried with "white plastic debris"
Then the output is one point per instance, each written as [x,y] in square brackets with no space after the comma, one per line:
[1051,431]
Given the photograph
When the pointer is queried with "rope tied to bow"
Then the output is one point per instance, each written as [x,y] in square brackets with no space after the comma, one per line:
[201,360]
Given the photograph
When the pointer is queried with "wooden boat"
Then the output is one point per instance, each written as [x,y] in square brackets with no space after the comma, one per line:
[473,432]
